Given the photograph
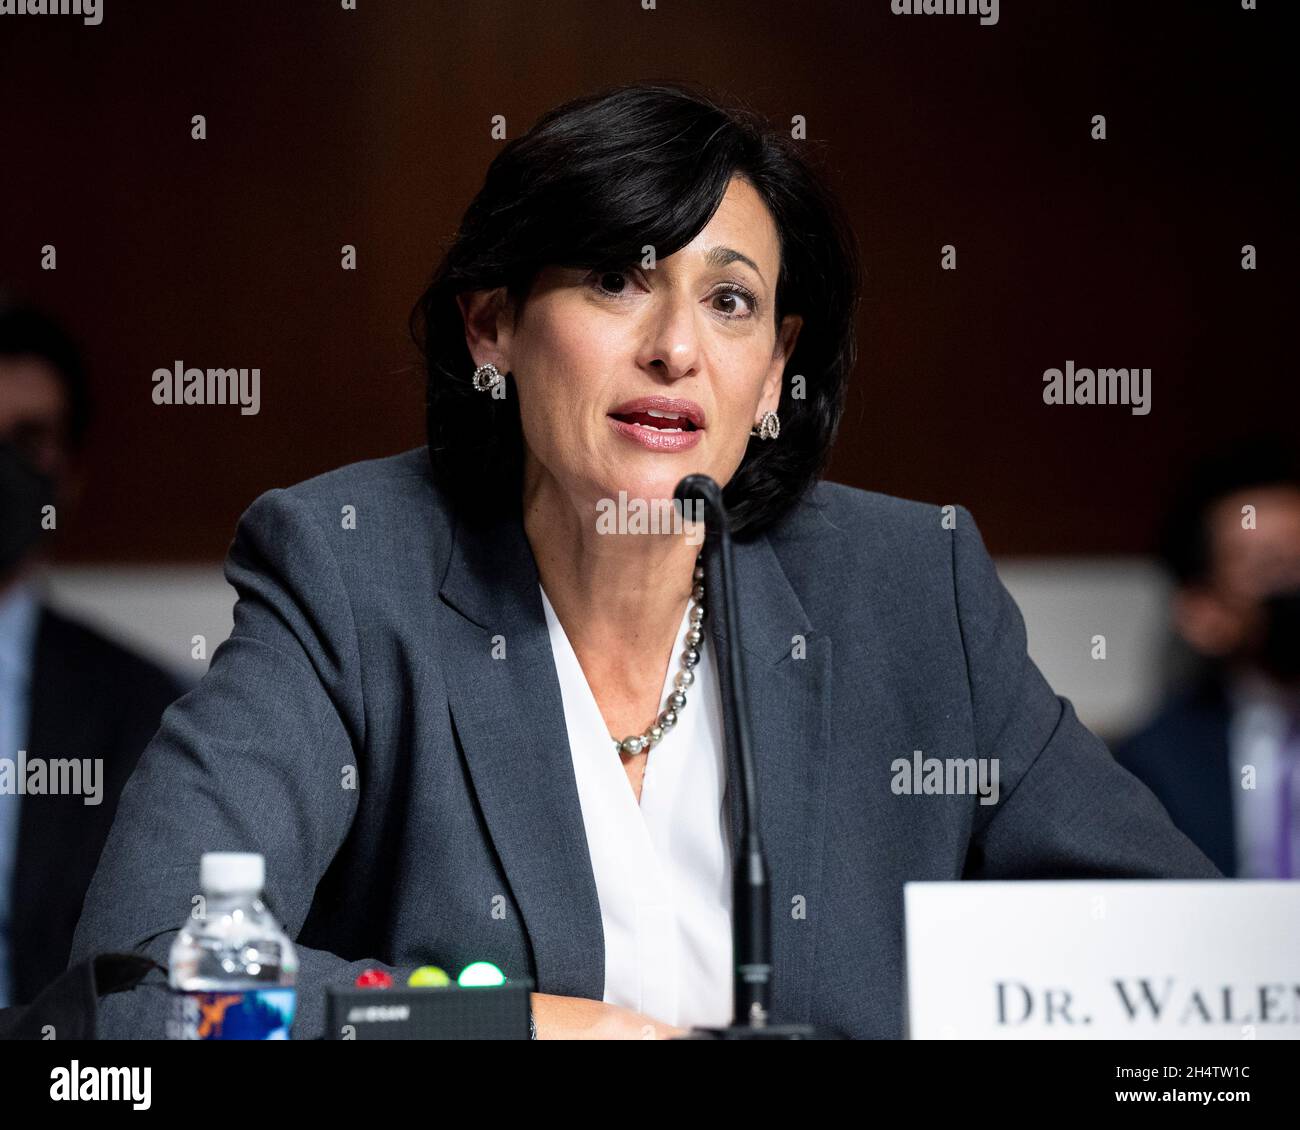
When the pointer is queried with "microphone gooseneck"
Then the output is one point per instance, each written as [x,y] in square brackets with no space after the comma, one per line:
[751,899]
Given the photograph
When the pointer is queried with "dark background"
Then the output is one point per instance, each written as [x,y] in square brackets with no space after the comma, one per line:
[372,127]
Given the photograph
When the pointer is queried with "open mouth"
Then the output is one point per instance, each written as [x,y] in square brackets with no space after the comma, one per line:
[660,421]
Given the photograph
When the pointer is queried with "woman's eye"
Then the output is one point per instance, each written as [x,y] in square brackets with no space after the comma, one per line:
[735,297]
[619,279]
[733,301]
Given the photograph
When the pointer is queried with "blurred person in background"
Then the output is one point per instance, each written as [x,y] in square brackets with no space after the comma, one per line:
[65,690]
[1223,756]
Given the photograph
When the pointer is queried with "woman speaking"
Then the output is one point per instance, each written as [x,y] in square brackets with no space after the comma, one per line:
[464,715]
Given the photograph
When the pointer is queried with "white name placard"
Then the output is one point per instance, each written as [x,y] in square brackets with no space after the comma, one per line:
[1117,959]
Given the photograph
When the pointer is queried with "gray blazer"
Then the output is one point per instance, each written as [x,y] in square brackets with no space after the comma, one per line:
[415,798]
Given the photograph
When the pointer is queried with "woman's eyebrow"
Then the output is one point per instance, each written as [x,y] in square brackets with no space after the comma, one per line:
[721,256]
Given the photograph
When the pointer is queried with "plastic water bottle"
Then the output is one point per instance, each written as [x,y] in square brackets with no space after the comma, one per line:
[232,968]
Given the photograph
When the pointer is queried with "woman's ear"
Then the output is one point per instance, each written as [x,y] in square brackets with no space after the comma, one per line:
[786,338]
[487,326]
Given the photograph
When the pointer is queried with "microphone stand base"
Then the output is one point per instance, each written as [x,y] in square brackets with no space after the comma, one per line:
[771,1032]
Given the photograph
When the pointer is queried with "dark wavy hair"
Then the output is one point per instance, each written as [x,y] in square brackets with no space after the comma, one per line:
[589,185]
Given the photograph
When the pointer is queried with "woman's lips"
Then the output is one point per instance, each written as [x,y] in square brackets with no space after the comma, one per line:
[655,439]
[685,413]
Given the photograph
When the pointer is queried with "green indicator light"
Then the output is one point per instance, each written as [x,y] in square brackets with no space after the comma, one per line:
[479,974]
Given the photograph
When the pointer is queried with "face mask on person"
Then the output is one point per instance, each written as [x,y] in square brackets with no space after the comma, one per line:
[1278,653]
[24,492]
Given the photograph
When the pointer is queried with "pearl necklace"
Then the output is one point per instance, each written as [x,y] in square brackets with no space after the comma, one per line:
[676,702]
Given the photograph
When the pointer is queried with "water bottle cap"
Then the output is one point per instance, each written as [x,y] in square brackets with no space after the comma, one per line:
[225,872]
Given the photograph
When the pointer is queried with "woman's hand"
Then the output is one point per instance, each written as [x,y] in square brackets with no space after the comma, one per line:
[576,1018]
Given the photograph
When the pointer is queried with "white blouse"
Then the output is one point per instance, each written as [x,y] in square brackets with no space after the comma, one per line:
[663,869]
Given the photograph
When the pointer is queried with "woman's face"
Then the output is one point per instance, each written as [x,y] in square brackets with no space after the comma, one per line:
[697,328]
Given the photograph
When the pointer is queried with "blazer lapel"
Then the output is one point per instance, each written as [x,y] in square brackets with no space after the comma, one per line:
[509,718]
[508,715]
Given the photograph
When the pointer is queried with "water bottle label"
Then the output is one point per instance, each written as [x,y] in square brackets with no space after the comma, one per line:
[242,1014]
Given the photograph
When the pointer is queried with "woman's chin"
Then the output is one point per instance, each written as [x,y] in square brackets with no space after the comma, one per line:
[635,490]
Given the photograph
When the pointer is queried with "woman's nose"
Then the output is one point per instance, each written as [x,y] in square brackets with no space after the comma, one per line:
[672,341]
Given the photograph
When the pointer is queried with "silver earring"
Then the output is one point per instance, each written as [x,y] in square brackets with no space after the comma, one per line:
[769,427]
[487,377]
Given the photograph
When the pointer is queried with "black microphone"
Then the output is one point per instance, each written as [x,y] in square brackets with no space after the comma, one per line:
[751,921]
